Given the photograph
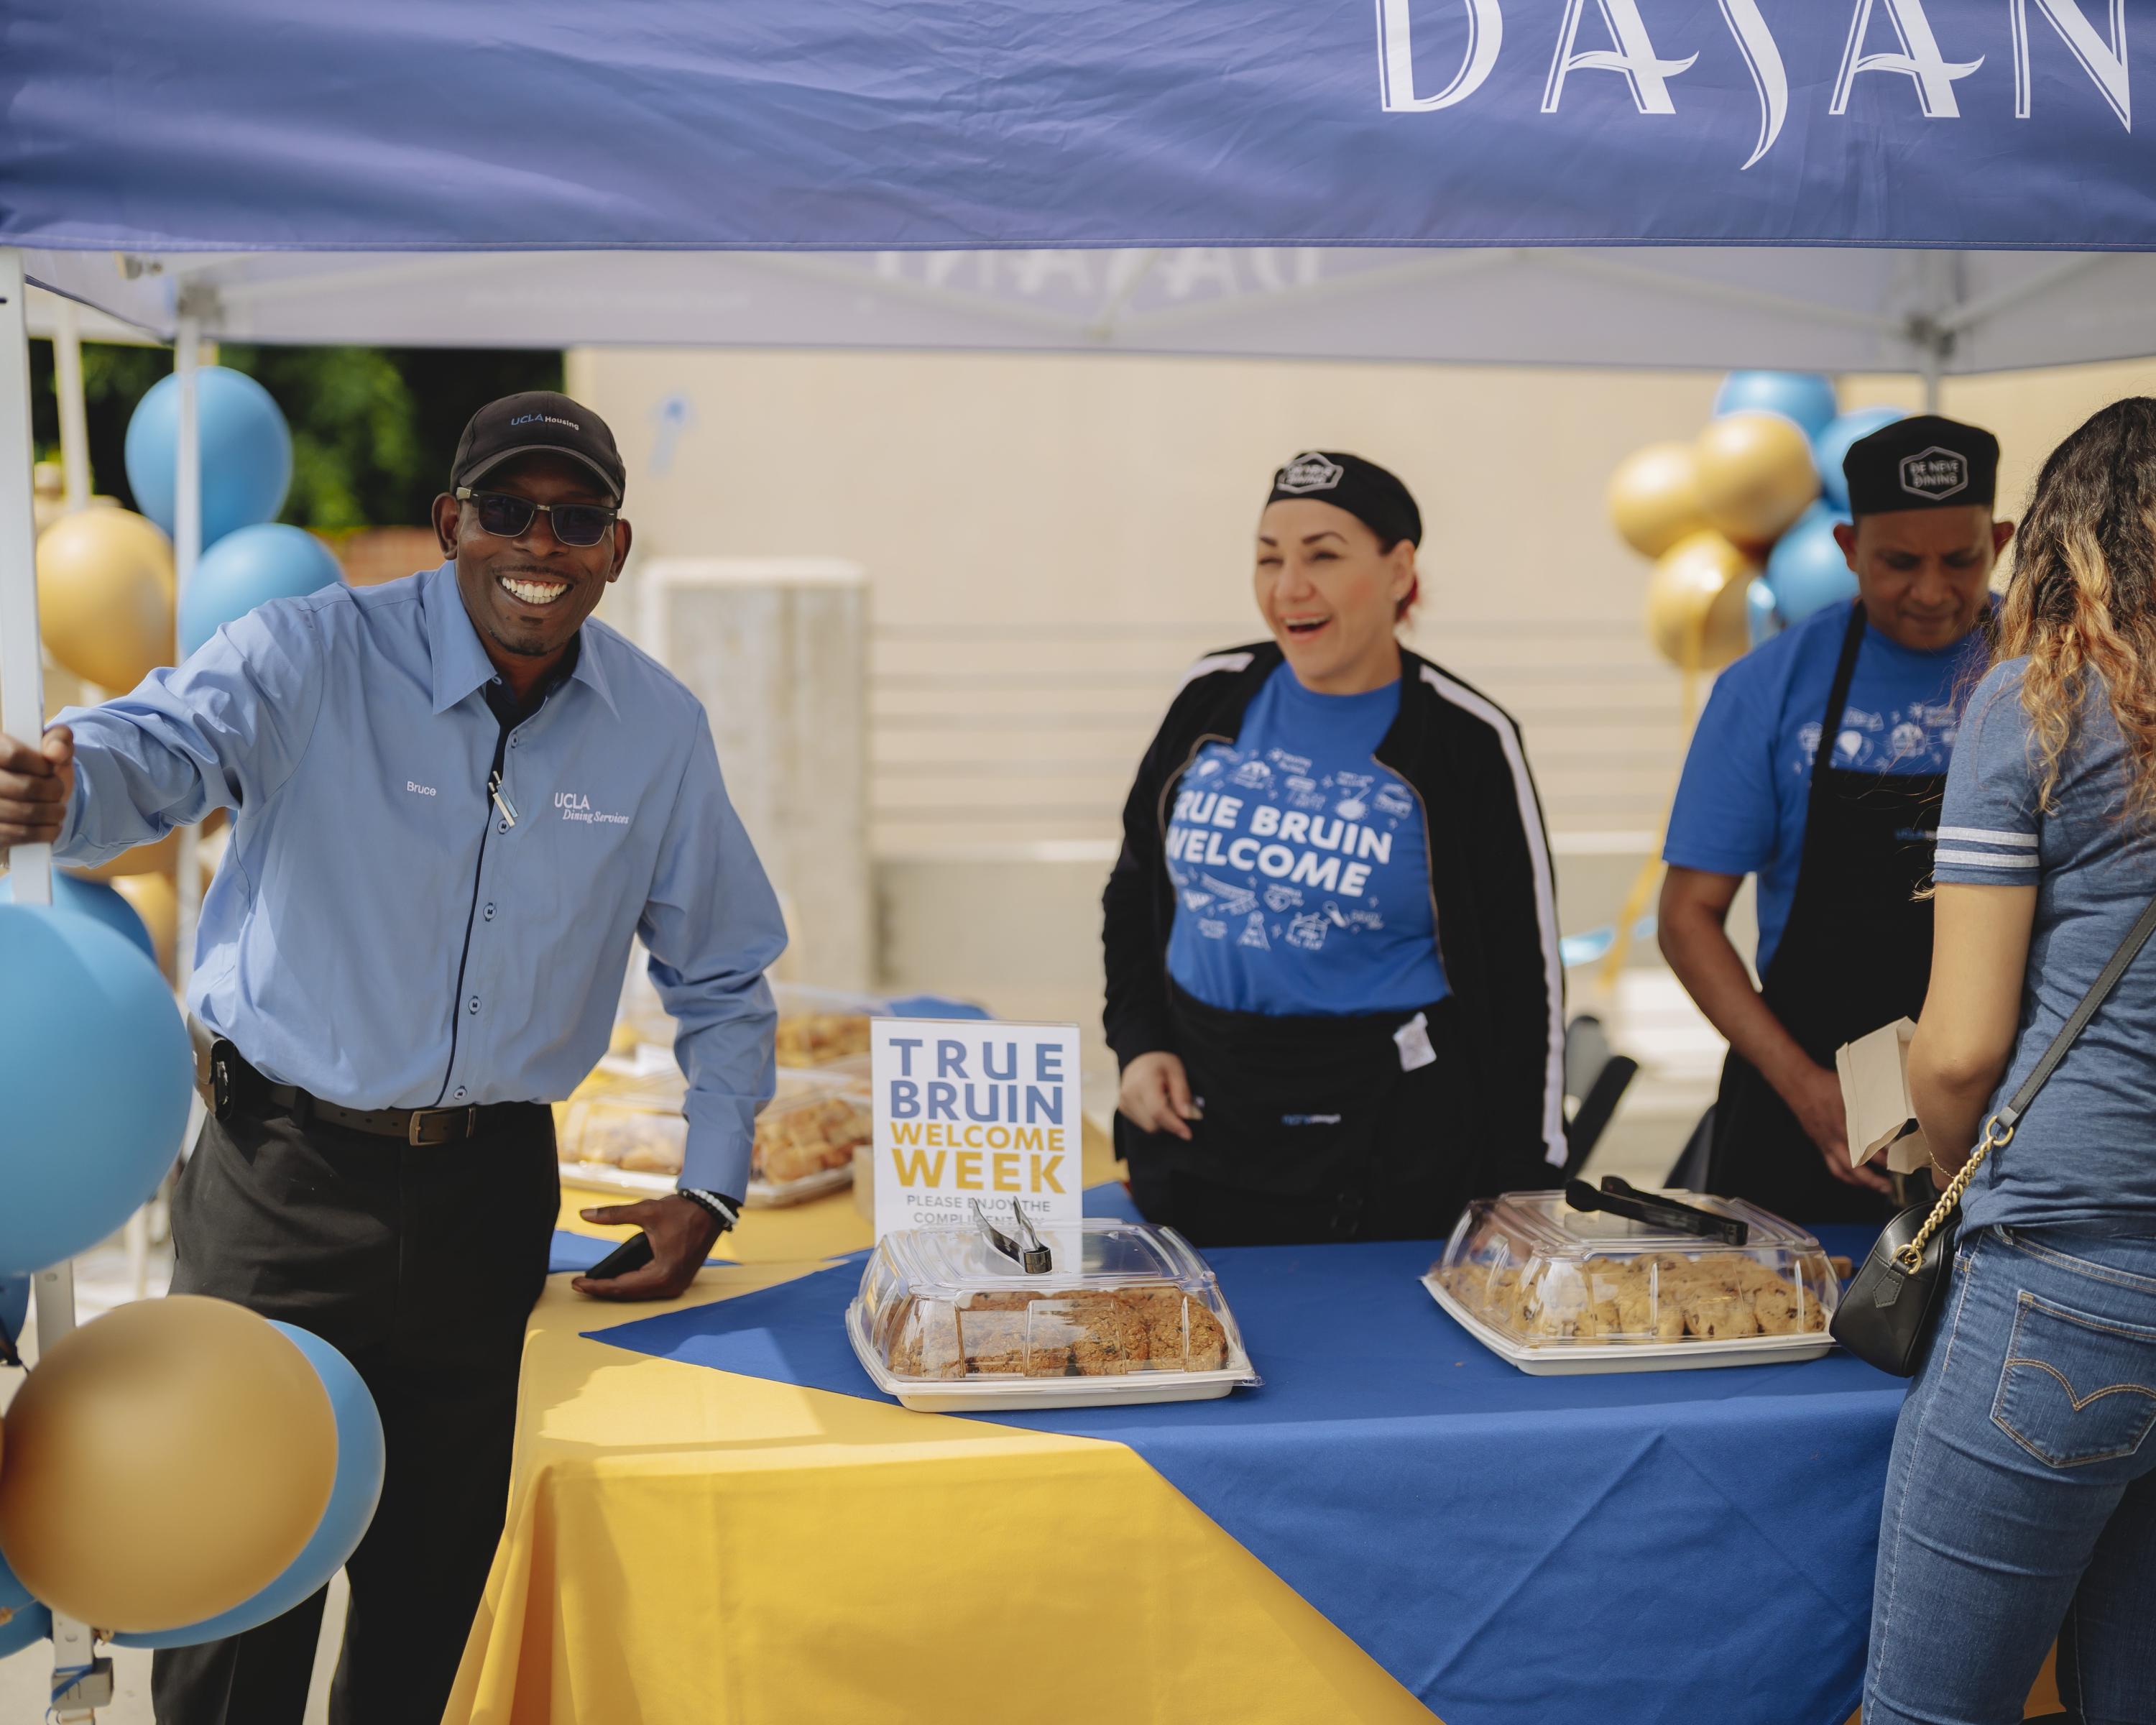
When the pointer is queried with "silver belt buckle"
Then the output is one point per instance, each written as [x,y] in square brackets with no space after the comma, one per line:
[415,1127]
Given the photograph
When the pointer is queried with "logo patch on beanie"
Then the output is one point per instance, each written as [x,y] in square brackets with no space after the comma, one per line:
[1309,472]
[1934,473]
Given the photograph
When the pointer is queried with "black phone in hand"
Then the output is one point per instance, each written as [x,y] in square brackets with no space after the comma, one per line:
[632,1254]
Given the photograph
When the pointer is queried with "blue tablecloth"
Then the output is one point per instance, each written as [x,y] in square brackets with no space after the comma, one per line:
[1684,1546]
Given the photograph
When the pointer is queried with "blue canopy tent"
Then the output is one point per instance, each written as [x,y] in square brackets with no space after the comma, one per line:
[1938,186]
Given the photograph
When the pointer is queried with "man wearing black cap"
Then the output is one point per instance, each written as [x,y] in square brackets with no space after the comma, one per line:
[1819,766]
[458,797]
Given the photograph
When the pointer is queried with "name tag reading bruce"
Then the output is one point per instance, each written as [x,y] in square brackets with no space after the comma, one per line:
[968,1109]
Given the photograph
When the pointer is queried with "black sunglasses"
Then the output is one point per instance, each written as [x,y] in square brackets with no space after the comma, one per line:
[507,517]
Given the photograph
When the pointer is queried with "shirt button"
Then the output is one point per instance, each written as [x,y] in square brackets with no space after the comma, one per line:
[460,1092]
[501,826]
[489,913]
[512,742]
[475,1003]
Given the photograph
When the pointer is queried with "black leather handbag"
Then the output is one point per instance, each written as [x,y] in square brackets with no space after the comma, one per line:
[1887,1312]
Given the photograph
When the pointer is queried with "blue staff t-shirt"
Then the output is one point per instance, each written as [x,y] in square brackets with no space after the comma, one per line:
[1740,806]
[1300,865]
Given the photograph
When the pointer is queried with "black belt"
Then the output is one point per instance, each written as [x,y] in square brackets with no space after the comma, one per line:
[235,1086]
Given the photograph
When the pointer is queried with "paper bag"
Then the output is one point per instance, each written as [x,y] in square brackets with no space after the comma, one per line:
[1874,1070]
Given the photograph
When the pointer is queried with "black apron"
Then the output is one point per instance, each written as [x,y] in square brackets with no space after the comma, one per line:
[1312,1128]
[1856,954]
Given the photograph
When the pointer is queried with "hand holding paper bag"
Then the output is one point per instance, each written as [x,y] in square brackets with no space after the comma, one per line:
[1874,1070]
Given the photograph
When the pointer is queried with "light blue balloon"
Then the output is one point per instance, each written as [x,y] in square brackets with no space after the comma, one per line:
[1806,571]
[30,1624]
[1805,396]
[249,567]
[354,1492]
[1832,445]
[97,1067]
[30,1621]
[1761,621]
[246,452]
[97,900]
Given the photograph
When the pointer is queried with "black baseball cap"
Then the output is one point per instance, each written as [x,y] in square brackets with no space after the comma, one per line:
[1366,491]
[537,422]
[1927,462]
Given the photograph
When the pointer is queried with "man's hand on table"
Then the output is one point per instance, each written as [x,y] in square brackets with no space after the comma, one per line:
[37,779]
[681,1232]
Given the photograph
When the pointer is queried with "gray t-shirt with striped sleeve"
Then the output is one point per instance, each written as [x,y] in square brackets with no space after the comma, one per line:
[2085,1152]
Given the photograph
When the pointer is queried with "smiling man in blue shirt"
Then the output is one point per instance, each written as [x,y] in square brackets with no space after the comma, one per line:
[455,798]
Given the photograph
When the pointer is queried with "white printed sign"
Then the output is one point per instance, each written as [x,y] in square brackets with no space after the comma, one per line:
[969,1108]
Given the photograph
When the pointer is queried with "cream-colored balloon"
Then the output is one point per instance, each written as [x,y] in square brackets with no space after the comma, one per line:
[106,596]
[1697,594]
[165,1462]
[1756,476]
[158,907]
[1653,497]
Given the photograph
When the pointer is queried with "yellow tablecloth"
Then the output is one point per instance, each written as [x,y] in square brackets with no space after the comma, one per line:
[687,1545]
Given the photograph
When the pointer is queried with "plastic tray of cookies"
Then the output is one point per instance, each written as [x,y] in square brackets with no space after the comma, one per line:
[1557,1290]
[947,1321]
[804,1146]
[623,1133]
[818,1027]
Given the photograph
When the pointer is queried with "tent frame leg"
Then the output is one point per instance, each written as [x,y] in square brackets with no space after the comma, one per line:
[186,553]
[81,1681]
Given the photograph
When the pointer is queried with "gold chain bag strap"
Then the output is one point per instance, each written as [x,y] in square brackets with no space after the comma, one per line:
[1888,1310]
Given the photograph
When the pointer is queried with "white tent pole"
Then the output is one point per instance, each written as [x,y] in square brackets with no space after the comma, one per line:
[187,552]
[74,418]
[77,1672]
[21,670]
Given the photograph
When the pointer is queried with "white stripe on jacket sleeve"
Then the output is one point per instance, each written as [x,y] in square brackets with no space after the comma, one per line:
[1531,818]
[1214,662]
[1981,859]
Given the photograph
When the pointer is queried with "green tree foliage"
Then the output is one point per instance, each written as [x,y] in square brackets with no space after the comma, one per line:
[373,429]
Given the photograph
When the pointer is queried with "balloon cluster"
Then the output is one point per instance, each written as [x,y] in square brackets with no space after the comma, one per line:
[106,595]
[108,611]
[178,1470]
[1740,522]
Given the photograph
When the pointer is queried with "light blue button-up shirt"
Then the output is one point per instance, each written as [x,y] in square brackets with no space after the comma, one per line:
[378,934]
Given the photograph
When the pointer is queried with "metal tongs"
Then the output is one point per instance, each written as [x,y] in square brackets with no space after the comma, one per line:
[1619,1197]
[1032,1256]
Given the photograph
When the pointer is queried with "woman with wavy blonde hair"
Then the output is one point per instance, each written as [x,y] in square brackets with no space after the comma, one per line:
[2021,1498]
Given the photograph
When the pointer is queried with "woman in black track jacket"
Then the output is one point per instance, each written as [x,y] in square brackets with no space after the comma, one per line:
[1333,984]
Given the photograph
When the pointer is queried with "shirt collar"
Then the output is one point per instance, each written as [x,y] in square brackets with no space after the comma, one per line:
[461,663]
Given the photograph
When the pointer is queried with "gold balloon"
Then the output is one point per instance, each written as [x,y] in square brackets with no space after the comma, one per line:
[106,596]
[165,1462]
[158,907]
[1756,476]
[160,858]
[1696,593]
[1653,497]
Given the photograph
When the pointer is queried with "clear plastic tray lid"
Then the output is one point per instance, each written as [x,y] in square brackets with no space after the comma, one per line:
[950,1303]
[1547,1274]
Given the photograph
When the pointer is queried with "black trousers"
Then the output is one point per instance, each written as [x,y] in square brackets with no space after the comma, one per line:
[421,1266]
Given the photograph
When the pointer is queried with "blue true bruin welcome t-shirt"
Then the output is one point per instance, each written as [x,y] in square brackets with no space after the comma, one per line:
[1741,804]
[1301,866]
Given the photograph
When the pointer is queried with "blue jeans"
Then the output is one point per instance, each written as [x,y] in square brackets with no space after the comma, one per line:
[2021,1497]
